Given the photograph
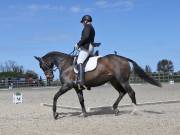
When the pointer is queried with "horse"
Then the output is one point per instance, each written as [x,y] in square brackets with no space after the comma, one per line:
[110,68]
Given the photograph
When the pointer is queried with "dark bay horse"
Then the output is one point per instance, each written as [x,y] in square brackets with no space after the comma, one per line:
[111,68]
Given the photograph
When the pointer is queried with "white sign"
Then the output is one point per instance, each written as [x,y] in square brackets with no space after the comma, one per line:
[171,82]
[17,98]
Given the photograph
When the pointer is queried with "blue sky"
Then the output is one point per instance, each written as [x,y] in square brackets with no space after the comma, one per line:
[143,30]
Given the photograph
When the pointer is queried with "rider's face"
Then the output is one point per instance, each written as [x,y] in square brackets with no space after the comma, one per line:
[85,22]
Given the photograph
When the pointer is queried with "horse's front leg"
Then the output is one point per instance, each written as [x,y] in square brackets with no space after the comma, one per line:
[81,100]
[61,91]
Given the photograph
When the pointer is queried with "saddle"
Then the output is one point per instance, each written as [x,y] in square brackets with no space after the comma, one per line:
[90,64]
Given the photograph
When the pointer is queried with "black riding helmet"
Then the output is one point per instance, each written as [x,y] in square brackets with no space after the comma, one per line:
[86,18]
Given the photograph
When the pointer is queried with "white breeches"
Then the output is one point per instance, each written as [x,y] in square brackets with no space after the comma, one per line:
[83,54]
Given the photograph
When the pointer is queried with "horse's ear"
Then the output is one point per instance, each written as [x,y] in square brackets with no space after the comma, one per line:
[38,58]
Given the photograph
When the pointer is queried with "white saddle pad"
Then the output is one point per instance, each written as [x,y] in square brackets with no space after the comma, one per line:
[91,64]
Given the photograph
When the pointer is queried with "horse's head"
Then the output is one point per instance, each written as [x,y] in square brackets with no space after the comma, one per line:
[47,67]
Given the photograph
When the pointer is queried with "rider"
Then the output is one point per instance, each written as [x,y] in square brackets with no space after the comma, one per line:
[85,45]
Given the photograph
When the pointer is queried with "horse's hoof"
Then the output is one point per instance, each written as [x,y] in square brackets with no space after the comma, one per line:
[55,115]
[135,112]
[116,111]
[83,115]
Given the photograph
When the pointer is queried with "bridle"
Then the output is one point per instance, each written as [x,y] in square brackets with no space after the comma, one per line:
[74,53]
[48,68]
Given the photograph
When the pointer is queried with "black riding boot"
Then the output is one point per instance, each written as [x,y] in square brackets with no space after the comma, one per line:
[80,75]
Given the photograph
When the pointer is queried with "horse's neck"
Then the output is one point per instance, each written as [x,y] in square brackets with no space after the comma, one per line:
[63,62]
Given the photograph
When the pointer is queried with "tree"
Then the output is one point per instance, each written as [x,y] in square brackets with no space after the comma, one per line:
[10,69]
[31,74]
[11,66]
[2,68]
[4,75]
[148,69]
[165,66]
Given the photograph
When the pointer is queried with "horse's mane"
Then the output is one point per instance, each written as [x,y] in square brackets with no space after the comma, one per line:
[56,53]
[59,56]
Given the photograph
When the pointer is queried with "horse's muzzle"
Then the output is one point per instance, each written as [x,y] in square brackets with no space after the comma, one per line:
[50,77]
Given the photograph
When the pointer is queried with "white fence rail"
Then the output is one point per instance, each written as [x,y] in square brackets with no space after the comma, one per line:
[37,83]
[158,77]
[33,83]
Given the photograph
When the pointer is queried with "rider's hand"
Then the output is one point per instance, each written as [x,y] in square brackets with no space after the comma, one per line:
[76,46]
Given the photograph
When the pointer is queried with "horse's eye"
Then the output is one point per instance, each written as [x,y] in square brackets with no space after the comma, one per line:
[46,68]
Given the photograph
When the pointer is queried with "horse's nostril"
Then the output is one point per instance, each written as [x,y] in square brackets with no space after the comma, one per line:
[50,77]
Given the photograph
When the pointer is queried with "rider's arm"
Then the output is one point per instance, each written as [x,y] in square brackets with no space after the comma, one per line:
[85,36]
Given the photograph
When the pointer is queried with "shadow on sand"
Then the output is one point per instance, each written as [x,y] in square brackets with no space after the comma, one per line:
[109,112]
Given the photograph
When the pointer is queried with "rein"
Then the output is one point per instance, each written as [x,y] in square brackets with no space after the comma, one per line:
[74,52]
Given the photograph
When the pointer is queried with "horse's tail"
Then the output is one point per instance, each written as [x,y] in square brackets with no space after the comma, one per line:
[140,72]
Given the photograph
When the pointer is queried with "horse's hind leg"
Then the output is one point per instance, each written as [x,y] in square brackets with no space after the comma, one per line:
[131,94]
[121,92]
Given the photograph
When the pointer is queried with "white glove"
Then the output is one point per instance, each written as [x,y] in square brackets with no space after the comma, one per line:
[76,46]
